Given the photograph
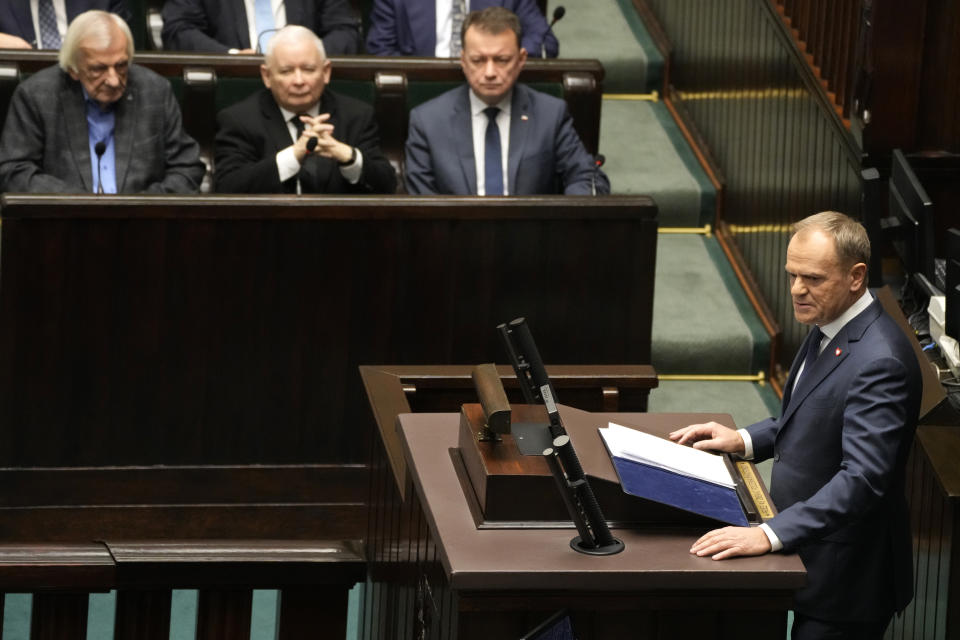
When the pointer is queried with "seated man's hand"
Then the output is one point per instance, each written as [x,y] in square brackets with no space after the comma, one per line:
[710,436]
[327,146]
[8,41]
[731,542]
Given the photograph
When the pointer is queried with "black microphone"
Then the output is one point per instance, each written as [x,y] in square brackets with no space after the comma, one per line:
[99,148]
[311,144]
[558,13]
[598,161]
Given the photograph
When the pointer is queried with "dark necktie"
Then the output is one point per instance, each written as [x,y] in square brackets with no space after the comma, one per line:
[47,17]
[813,351]
[492,162]
[290,186]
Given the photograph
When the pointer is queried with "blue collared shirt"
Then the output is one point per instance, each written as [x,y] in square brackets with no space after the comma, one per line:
[100,125]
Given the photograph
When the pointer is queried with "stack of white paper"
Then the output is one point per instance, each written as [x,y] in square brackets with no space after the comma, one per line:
[644,448]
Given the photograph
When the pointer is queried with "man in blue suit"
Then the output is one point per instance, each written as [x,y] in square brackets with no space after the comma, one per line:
[839,447]
[414,28]
[493,136]
[20,26]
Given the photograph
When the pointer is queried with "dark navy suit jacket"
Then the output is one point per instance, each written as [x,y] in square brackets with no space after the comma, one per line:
[839,449]
[409,27]
[219,25]
[15,18]
[545,156]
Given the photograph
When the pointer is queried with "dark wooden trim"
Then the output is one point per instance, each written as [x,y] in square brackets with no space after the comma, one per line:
[661,39]
[389,388]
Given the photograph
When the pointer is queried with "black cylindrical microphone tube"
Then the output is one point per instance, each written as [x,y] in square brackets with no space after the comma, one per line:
[571,464]
[100,148]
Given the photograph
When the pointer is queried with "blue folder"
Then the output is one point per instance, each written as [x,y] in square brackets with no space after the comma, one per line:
[680,491]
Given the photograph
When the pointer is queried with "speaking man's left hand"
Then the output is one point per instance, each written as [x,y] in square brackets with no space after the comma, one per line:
[731,542]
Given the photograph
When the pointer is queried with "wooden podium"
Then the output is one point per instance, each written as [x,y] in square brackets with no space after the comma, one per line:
[442,566]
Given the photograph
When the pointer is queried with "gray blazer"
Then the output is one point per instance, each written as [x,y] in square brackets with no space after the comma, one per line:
[45,145]
[546,155]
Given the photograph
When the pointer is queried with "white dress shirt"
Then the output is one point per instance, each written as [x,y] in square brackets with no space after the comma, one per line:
[480,120]
[288,166]
[829,330]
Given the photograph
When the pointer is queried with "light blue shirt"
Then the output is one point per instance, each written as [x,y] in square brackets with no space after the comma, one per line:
[100,125]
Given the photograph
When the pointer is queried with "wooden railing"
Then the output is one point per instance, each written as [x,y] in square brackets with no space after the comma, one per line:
[313,579]
[826,31]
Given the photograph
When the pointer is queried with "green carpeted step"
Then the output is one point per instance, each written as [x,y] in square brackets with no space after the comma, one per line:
[610,31]
[703,322]
[647,155]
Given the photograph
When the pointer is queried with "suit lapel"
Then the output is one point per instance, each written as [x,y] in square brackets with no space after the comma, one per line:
[240,24]
[461,123]
[21,12]
[127,114]
[422,18]
[78,137]
[519,126]
[835,353]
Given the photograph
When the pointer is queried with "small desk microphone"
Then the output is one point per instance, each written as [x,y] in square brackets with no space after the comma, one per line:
[598,161]
[558,13]
[99,148]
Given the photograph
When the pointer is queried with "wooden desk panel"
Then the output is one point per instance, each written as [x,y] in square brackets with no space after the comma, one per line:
[467,583]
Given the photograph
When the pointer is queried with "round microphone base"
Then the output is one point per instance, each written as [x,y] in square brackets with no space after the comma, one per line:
[606,550]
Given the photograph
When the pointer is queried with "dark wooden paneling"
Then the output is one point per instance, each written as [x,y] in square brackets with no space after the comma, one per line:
[934,495]
[218,331]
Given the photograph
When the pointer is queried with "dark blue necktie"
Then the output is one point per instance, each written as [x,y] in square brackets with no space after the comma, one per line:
[813,351]
[492,162]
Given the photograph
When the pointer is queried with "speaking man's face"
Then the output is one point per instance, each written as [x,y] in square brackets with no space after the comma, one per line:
[103,72]
[491,62]
[821,287]
[296,74]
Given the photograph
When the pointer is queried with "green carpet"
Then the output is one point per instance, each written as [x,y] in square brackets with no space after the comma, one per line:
[610,31]
[647,155]
[702,320]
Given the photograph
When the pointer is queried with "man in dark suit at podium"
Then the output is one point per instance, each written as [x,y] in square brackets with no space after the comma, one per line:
[263,142]
[494,136]
[839,447]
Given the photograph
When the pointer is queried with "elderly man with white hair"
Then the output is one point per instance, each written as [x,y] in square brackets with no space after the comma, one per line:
[296,136]
[97,123]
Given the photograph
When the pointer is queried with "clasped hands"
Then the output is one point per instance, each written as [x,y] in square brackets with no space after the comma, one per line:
[327,146]
[727,542]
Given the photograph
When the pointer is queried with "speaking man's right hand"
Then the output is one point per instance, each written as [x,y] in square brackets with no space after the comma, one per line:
[710,436]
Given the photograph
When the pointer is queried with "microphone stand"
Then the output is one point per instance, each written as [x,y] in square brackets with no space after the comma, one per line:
[558,13]
[100,148]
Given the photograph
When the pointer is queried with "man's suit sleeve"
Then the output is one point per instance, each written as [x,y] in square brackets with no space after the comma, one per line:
[22,149]
[762,435]
[337,26]
[419,172]
[575,166]
[875,428]
[183,170]
[382,36]
[535,31]
[185,27]
[240,166]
